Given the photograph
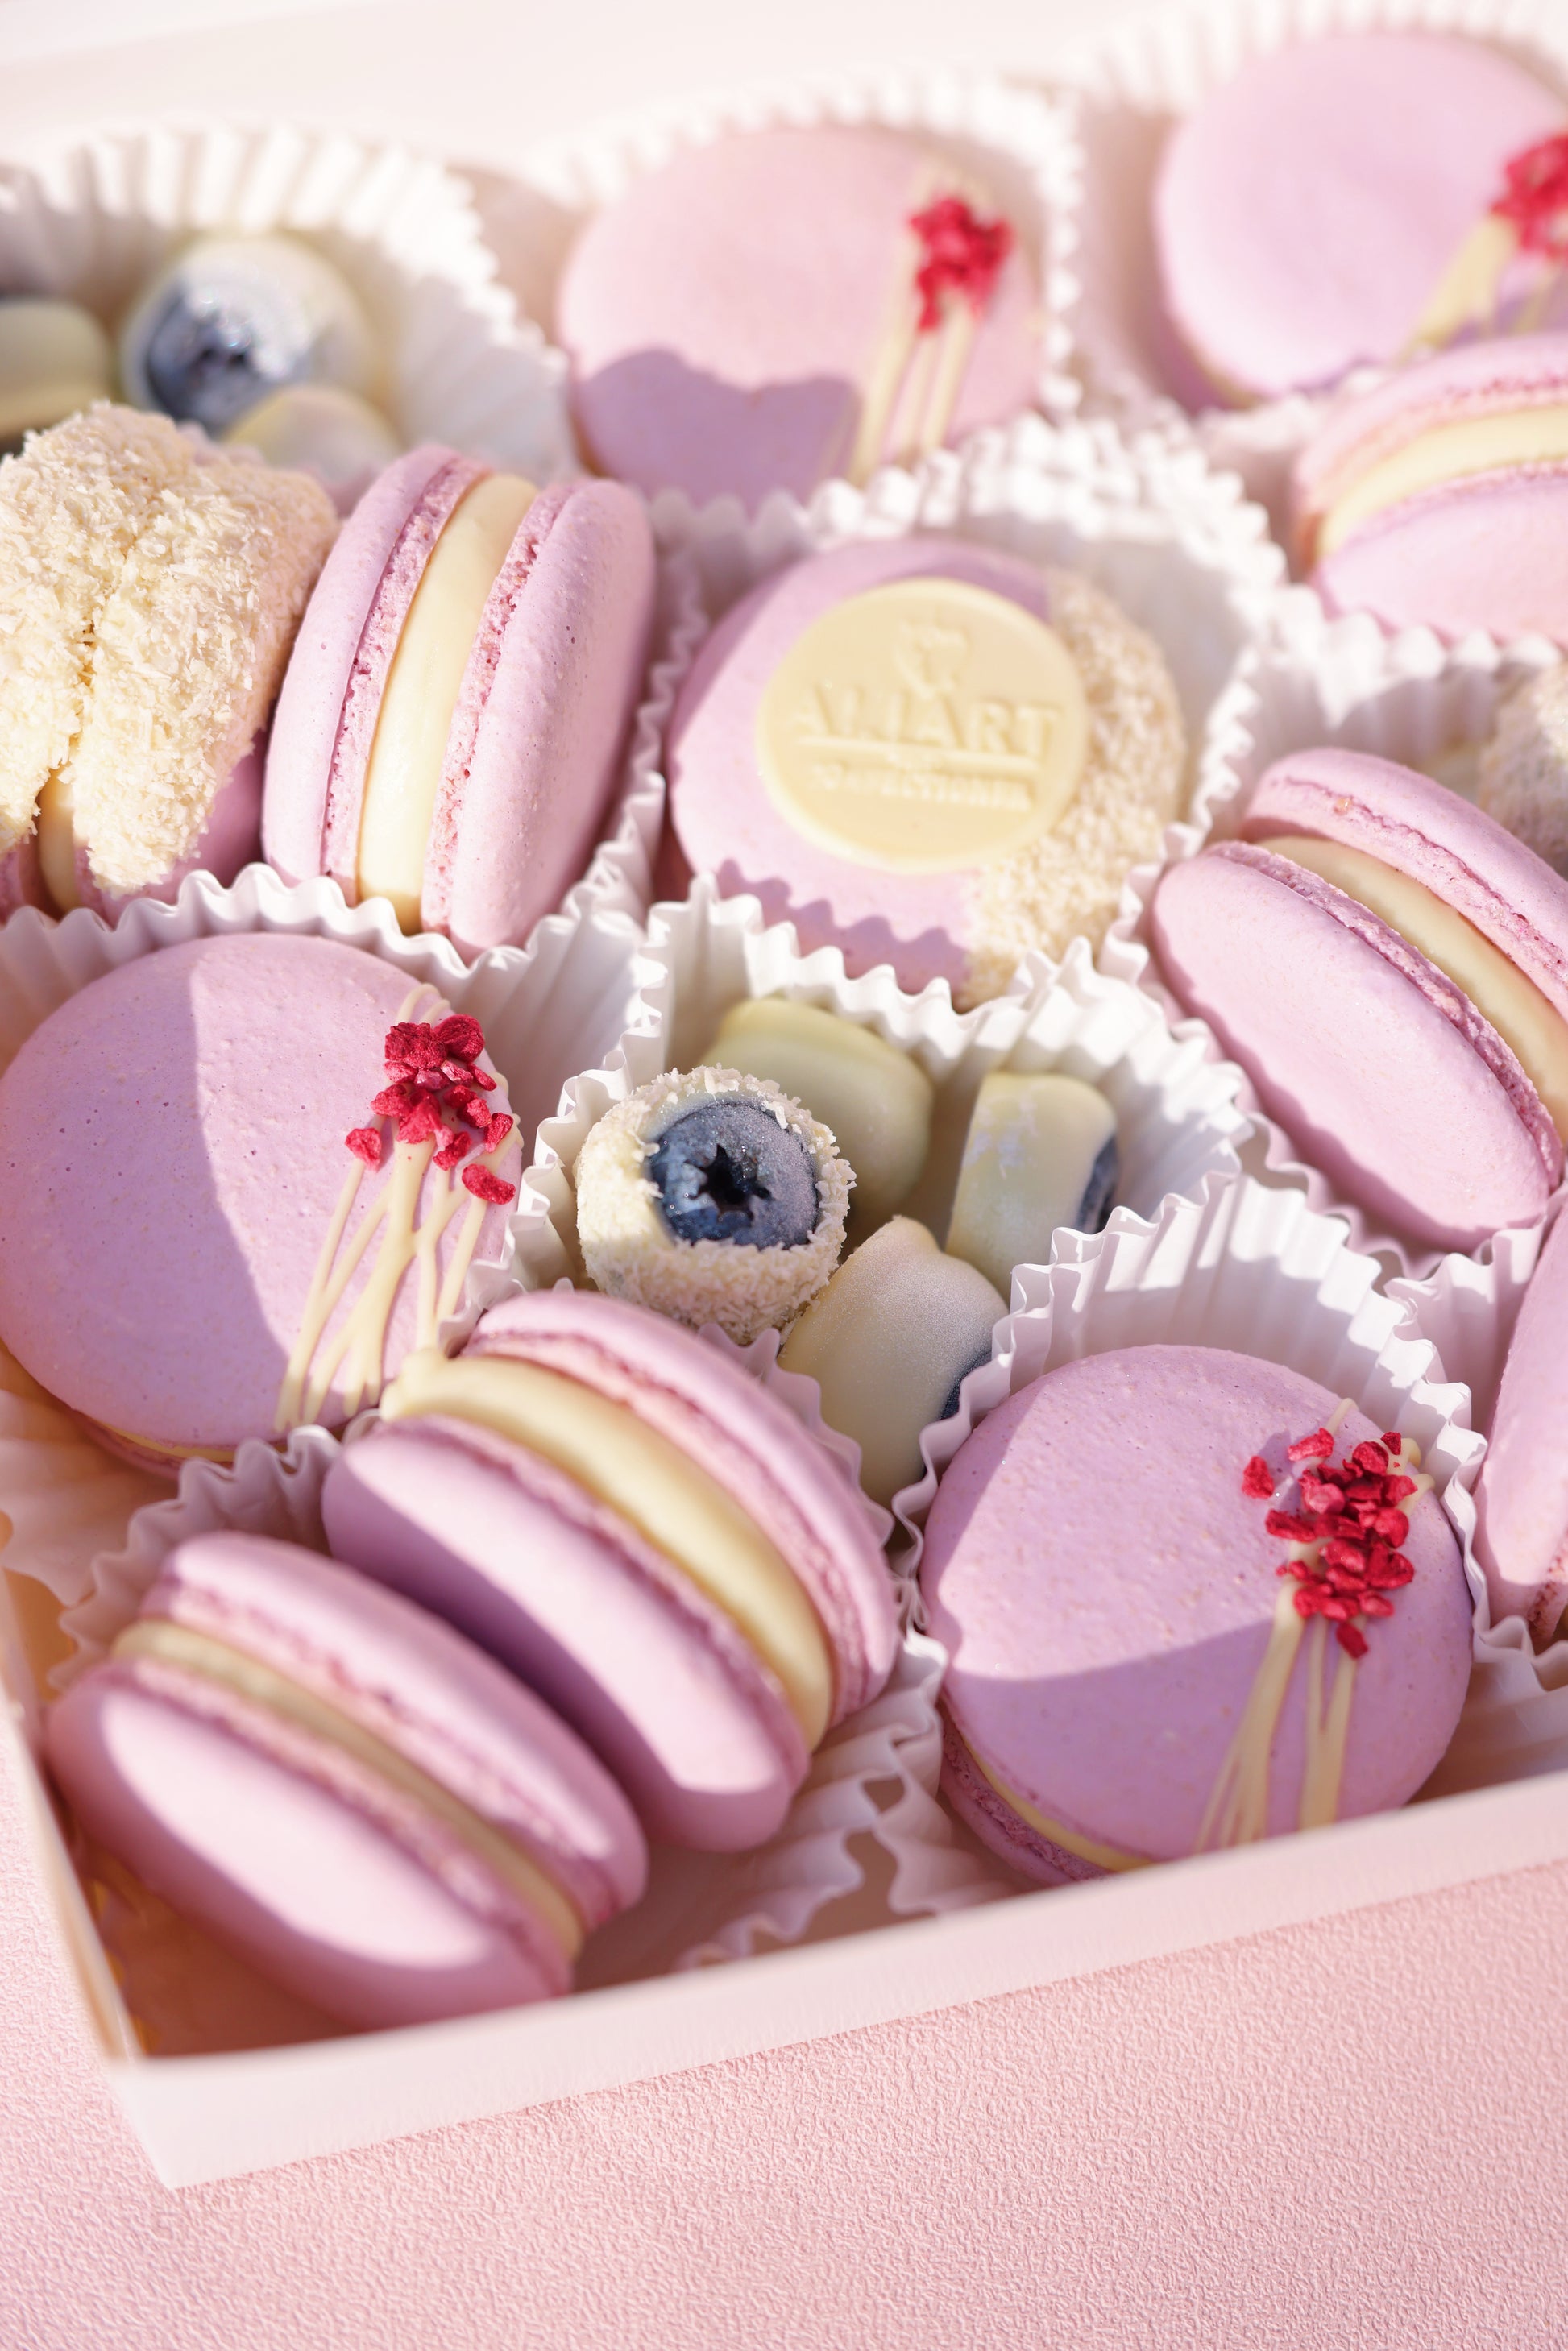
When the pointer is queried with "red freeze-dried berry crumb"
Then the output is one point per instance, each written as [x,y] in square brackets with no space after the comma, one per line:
[437,1095]
[487,1185]
[960,254]
[1349,1515]
[1535,197]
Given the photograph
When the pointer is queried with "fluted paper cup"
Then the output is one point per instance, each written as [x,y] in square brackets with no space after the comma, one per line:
[1346,682]
[1135,83]
[1247,1268]
[94,216]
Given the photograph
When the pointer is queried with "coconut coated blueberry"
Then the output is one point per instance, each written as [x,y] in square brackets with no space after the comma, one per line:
[727,1171]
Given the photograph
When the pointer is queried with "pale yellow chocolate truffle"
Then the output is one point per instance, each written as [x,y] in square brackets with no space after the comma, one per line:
[876,1100]
[1035,1158]
[888,1343]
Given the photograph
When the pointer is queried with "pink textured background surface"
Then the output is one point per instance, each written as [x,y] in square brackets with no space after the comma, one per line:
[1351,2134]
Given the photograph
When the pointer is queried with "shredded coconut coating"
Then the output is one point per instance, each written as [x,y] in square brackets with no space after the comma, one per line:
[629,1252]
[71,508]
[1069,880]
[150,591]
[1524,768]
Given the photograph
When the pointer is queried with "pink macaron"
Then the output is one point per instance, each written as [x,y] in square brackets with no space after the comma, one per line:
[1391,970]
[452,723]
[929,754]
[1522,1500]
[239,1180]
[1310,213]
[341,1790]
[638,1529]
[1243,1614]
[785,305]
[1440,496]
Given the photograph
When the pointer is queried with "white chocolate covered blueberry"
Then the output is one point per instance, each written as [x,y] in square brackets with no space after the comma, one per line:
[889,1342]
[712,1197]
[236,318]
[876,1100]
[1040,1152]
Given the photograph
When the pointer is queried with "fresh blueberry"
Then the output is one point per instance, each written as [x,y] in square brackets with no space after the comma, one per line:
[951,1406]
[726,1171]
[1099,1193]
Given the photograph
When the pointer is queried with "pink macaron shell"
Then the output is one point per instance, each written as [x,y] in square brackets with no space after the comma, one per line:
[726,822]
[351,596]
[542,715]
[291,1854]
[1495,377]
[746,1440]
[723,317]
[1102,1652]
[21,878]
[1488,552]
[1383,1072]
[1423,831]
[1522,1500]
[164,1206]
[1307,211]
[657,1680]
[409,1679]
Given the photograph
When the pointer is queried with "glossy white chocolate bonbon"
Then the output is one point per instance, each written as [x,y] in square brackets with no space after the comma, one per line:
[1041,1153]
[322,429]
[55,360]
[875,1099]
[889,1341]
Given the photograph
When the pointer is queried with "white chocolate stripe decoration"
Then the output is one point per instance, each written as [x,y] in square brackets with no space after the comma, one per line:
[944,273]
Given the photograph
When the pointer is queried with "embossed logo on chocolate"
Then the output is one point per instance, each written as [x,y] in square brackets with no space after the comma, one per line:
[924,727]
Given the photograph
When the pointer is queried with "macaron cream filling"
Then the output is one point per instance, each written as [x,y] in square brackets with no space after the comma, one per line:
[185,1650]
[420,698]
[648,1480]
[1533,1031]
[1437,454]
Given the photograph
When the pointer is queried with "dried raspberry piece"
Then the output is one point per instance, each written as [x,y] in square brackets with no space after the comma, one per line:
[367,1143]
[1257,1482]
[1318,1447]
[485,1185]
[961,254]
[459,1038]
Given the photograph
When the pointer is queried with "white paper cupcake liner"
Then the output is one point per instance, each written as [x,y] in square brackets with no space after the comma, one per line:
[95,216]
[545,1010]
[1259,1272]
[1178,1123]
[1021,143]
[872,1776]
[1347,682]
[1134,82]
